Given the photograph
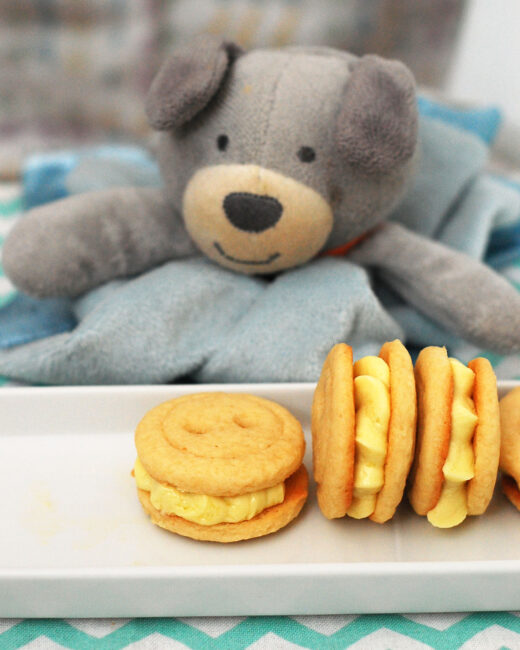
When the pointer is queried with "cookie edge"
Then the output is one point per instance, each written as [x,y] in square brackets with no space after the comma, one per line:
[401,429]
[486,439]
[433,427]
[333,443]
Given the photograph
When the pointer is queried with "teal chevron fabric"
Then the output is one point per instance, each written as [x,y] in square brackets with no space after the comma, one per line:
[443,632]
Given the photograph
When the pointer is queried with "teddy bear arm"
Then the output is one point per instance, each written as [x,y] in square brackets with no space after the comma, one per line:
[460,293]
[73,245]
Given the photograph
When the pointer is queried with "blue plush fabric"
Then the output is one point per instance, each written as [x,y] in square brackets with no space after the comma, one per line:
[192,318]
[23,316]
[287,332]
[162,325]
[504,242]
[51,176]
[482,122]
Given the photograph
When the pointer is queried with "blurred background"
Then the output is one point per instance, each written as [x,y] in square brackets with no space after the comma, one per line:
[75,71]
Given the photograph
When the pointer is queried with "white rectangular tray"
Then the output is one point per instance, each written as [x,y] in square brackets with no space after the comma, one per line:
[74,541]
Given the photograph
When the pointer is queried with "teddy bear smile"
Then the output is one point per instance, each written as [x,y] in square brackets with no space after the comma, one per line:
[270,259]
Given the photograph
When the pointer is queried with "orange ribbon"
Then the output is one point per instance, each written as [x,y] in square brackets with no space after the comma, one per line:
[344,248]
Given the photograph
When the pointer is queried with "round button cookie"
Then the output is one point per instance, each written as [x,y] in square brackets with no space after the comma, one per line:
[220,467]
[220,444]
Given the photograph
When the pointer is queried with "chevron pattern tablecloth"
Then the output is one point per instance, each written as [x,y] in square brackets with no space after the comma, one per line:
[483,631]
[407,631]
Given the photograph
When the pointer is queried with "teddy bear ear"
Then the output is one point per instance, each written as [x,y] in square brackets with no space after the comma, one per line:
[187,81]
[377,124]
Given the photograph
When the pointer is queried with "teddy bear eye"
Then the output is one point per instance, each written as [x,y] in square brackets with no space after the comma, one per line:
[222,142]
[306,154]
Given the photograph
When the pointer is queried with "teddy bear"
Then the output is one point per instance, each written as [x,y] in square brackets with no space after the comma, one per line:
[270,159]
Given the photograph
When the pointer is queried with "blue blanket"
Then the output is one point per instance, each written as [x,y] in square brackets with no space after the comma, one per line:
[192,320]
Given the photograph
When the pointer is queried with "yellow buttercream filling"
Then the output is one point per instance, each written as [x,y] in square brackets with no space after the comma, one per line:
[459,466]
[372,401]
[202,508]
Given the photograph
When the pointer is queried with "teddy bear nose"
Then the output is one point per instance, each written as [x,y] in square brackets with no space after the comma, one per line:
[252,212]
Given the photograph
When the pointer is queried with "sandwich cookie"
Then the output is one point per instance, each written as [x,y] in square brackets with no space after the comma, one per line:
[220,467]
[510,446]
[458,438]
[363,432]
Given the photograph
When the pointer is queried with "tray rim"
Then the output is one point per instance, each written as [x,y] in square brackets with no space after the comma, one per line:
[502,384]
[268,570]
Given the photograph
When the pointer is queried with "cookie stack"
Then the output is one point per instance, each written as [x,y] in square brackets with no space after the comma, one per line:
[220,467]
[379,424]
[363,432]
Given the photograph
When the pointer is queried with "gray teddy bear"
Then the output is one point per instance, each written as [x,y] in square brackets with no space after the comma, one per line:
[269,159]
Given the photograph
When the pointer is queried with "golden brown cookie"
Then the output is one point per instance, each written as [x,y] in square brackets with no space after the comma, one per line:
[268,521]
[486,439]
[220,445]
[401,429]
[434,382]
[510,489]
[333,432]
[510,442]
[436,407]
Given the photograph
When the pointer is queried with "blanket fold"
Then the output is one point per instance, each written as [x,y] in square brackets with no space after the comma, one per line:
[161,325]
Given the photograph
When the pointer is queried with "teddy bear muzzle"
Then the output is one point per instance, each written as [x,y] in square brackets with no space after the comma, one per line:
[255,220]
